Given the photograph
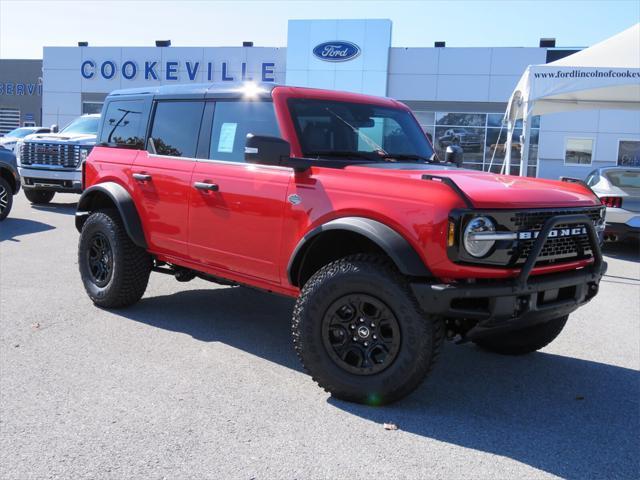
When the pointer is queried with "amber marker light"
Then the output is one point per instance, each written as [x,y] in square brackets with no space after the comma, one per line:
[451,234]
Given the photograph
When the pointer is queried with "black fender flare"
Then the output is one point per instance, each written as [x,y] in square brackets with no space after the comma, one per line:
[122,200]
[391,242]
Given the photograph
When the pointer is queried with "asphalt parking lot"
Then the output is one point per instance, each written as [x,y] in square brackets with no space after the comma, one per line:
[200,381]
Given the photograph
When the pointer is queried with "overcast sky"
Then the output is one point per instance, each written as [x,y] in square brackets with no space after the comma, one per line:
[26,26]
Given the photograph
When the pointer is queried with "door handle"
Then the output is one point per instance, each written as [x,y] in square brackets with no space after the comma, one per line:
[210,187]
[141,177]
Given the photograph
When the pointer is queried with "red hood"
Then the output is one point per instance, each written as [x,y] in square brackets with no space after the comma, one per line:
[488,190]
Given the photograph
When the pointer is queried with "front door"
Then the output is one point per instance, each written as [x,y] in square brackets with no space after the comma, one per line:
[161,175]
[235,220]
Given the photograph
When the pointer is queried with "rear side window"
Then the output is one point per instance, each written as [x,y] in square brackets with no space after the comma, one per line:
[123,125]
[176,125]
[233,120]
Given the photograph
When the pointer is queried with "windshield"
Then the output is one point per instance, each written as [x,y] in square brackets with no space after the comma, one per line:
[358,131]
[624,178]
[88,125]
[19,132]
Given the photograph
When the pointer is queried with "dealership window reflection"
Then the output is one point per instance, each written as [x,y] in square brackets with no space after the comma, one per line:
[629,153]
[481,138]
[578,151]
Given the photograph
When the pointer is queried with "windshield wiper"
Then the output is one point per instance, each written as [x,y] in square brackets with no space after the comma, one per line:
[340,153]
[407,156]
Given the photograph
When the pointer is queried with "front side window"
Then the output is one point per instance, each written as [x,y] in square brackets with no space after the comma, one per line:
[123,125]
[358,131]
[82,125]
[578,151]
[176,125]
[233,120]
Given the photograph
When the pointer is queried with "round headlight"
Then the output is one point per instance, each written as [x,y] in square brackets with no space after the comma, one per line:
[474,244]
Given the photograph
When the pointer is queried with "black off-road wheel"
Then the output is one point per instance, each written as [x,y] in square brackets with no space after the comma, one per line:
[38,197]
[526,340]
[360,333]
[6,198]
[114,270]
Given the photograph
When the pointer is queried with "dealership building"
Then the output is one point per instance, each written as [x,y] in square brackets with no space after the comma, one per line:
[454,92]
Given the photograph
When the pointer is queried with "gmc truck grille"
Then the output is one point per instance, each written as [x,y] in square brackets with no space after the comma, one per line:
[561,248]
[50,154]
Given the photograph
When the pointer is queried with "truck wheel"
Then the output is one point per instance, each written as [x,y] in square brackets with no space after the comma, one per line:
[360,333]
[527,340]
[6,198]
[38,196]
[114,270]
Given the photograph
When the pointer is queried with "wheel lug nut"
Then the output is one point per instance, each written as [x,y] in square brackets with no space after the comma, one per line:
[366,344]
[362,320]
[355,339]
[353,327]
[373,325]
[375,337]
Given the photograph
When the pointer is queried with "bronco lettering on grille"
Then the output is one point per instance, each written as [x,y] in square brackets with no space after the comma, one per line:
[560,232]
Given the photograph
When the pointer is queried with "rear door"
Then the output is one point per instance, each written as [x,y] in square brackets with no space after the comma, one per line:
[161,175]
[235,224]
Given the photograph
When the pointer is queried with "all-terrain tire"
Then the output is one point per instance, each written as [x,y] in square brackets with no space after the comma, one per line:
[6,198]
[38,197]
[526,340]
[130,265]
[375,277]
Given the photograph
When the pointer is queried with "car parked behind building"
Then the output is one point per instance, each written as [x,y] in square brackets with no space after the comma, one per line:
[50,163]
[9,181]
[619,190]
[338,200]
[11,139]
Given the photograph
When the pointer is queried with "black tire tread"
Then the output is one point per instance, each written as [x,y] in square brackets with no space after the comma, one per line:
[38,197]
[9,191]
[375,264]
[526,340]
[136,261]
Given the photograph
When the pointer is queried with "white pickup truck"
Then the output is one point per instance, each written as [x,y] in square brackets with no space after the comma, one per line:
[52,162]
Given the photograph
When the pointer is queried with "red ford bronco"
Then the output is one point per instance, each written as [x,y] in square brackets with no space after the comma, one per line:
[336,199]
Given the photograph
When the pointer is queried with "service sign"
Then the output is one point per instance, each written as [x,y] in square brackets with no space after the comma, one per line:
[337,51]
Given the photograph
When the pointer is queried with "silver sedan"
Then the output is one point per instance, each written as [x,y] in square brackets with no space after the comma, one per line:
[618,189]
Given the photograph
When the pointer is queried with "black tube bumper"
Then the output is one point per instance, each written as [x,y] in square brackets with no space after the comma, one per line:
[501,305]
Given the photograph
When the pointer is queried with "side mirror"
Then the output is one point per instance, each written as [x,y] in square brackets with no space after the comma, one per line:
[266,150]
[54,128]
[454,154]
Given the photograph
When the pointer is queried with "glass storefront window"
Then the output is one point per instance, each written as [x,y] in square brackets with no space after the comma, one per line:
[629,153]
[461,119]
[91,107]
[578,151]
[478,135]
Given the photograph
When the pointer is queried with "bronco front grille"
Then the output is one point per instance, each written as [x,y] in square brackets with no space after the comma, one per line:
[535,220]
[50,154]
[562,248]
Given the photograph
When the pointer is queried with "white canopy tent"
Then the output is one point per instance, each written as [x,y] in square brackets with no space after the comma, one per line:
[604,76]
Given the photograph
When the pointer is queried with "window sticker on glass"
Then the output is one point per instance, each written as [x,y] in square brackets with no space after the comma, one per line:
[227,137]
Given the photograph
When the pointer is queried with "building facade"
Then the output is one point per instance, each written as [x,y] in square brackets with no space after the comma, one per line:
[454,92]
[20,94]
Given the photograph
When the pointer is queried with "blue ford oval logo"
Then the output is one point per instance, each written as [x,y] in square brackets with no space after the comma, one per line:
[337,51]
